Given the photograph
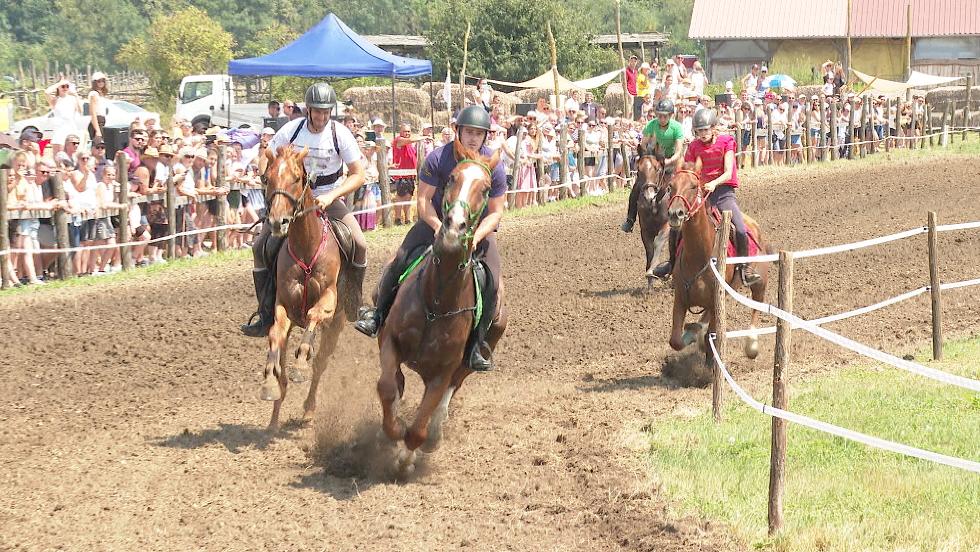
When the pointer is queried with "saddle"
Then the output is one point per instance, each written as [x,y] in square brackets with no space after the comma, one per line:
[344,238]
[715,216]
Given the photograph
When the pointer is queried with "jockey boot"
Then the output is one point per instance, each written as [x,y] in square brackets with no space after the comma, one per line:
[355,283]
[370,320]
[627,225]
[478,338]
[749,275]
[261,321]
[664,269]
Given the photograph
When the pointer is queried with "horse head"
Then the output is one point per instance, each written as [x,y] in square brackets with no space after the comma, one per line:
[687,194]
[464,200]
[288,194]
[651,178]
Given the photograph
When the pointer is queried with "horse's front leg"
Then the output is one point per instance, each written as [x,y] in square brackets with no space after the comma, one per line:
[321,311]
[390,387]
[274,386]
[435,390]
[328,342]
[678,315]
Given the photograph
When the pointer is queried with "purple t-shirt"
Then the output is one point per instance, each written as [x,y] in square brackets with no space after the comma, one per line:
[441,162]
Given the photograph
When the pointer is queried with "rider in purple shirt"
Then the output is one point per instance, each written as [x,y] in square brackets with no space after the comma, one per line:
[472,126]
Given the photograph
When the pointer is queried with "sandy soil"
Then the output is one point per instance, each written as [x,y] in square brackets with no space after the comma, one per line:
[130,420]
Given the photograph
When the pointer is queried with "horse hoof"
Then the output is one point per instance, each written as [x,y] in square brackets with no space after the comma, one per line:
[270,390]
[433,441]
[296,375]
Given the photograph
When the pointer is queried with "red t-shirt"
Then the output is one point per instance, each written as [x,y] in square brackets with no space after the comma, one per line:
[713,158]
[631,81]
[404,157]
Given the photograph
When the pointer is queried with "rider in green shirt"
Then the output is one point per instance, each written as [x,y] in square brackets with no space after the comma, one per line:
[664,133]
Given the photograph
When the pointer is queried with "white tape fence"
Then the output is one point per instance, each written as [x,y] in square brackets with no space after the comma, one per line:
[891,446]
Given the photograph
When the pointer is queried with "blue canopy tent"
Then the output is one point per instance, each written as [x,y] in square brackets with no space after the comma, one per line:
[332,49]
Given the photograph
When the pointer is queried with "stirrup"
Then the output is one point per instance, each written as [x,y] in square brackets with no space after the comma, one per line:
[368,325]
[663,270]
[749,276]
[476,361]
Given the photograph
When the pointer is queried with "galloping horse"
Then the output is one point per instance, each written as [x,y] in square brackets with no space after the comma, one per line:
[307,273]
[652,209]
[435,308]
[694,284]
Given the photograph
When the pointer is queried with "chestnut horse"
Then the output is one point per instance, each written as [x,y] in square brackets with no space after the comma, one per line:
[694,282]
[433,313]
[307,272]
[652,209]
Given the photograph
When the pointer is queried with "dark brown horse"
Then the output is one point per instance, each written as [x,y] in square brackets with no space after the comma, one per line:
[307,271]
[429,323]
[694,282]
[652,209]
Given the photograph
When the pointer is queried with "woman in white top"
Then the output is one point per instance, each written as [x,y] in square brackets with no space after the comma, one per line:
[698,78]
[83,201]
[98,104]
[66,108]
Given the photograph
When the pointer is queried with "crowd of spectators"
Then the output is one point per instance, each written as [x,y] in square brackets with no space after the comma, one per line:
[188,155]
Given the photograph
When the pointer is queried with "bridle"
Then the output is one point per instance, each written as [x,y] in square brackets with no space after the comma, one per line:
[472,216]
[298,210]
[699,201]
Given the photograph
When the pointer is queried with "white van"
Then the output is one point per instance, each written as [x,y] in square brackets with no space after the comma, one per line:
[210,99]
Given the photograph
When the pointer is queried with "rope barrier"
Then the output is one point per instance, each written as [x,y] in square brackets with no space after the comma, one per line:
[860,348]
[829,146]
[825,427]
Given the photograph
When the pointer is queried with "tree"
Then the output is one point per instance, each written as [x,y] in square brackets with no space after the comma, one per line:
[185,43]
[509,40]
[80,44]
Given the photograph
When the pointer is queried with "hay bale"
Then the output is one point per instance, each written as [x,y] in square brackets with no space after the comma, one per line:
[412,103]
[612,100]
[437,87]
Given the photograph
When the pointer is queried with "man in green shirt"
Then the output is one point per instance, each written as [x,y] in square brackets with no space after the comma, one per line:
[667,135]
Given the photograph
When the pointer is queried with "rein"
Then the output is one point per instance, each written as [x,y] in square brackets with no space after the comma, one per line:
[699,201]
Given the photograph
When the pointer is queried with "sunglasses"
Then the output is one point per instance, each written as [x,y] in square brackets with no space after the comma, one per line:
[188,157]
[64,87]
[74,143]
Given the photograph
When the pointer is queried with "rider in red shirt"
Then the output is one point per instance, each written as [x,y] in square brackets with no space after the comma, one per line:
[720,177]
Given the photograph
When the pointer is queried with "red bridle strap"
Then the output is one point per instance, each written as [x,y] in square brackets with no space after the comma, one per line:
[699,201]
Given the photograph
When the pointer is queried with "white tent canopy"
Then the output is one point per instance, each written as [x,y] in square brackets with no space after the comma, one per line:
[894,88]
[547,80]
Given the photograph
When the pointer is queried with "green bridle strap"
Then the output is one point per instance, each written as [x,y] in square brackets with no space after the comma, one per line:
[472,216]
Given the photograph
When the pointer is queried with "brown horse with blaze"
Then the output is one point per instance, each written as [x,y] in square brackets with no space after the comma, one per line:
[436,306]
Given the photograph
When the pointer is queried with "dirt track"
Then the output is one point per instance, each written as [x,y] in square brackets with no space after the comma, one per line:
[144,432]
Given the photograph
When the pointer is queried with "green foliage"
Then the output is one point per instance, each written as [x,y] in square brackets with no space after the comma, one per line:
[185,43]
[509,39]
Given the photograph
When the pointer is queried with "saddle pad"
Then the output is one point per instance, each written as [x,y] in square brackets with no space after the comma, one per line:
[344,238]
[753,240]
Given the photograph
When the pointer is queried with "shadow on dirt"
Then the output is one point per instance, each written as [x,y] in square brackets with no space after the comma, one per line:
[234,437]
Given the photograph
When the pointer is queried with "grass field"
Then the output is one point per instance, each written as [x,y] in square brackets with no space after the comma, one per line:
[839,495]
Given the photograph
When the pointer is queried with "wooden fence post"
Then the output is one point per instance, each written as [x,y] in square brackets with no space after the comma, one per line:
[966,108]
[849,141]
[886,128]
[8,278]
[822,142]
[59,221]
[542,194]
[610,180]
[122,178]
[384,183]
[739,153]
[171,199]
[769,147]
[784,333]
[719,313]
[563,161]
[912,122]
[221,236]
[943,129]
[580,161]
[928,126]
[934,290]
[805,137]
[835,107]
[518,147]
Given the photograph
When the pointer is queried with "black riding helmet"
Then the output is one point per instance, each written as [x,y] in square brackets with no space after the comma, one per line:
[474,116]
[664,107]
[704,118]
[320,96]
